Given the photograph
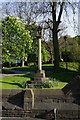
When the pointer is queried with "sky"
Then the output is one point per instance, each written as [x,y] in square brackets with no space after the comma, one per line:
[70,26]
[38,0]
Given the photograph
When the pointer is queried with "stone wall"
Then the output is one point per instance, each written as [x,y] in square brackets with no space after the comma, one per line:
[39,103]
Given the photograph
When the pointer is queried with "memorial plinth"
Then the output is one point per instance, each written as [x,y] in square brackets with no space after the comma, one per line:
[39,79]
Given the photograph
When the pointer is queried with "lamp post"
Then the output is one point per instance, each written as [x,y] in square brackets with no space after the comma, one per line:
[65,38]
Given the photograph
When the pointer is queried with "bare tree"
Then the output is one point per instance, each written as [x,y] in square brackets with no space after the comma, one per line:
[52,13]
[23,10]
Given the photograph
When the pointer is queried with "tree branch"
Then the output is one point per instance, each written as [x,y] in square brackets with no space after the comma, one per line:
[60,13]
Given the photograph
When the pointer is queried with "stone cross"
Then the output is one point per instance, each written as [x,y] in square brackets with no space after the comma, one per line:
[39,76]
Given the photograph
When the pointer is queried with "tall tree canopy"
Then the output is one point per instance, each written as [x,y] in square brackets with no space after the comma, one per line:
[48,13]
[17,41]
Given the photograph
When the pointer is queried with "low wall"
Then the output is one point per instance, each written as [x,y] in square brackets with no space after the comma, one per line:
[39,103]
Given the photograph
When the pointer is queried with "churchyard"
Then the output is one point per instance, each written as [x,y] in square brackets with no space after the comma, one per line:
[61,78]
[40,74]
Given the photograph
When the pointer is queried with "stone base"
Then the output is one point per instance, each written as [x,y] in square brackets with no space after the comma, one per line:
[39,79]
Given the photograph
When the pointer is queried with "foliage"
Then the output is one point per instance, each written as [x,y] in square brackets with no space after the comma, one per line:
[50,84]
[62,42]
[66,56]
[49,47]
[75,53]
[16,40]
[45,54]
[72,66]
[70,48]
[33,57]
[49,12]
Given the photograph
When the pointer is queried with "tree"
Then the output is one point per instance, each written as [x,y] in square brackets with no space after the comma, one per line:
[33,57]
[16,40]
[75,50]
[45,53]
[49,47]
[23,10]
[70,48]
[55,32]
[51,13]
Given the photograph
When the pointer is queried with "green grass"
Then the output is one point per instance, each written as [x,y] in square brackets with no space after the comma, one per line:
[26,68]
[14,82]
[59,86]
[72,66]
[17,82]
[6,72]
[63,77]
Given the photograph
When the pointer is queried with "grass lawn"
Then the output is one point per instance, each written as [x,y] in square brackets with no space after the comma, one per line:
[63,77]
[14,82]
[17,82]
[72,66]
[6,72]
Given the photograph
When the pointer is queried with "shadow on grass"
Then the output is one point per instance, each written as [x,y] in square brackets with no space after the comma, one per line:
[60,69]
[7,72]
[26,68]
[62,75]
[28,75]
[18,84]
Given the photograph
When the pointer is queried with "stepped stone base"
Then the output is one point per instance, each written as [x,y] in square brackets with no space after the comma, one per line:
[39,79]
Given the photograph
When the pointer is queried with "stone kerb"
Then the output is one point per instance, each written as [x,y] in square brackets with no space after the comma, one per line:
[42,99]
[47,99]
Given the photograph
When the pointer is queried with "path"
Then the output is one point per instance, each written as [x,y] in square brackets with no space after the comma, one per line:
[15,72]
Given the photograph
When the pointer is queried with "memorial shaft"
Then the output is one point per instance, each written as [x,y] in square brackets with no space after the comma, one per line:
[39,56]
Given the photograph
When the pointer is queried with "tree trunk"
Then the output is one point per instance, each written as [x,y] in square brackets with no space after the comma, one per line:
[22,63]
[56,50]
[55,38]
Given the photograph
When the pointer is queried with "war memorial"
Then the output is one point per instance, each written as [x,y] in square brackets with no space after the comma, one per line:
[42,104]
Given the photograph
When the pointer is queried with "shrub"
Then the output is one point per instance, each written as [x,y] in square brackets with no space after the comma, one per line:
[66,56]
[47,84]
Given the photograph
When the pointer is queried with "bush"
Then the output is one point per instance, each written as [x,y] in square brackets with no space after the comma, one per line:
[47,84]
[50,84]
[66,56]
